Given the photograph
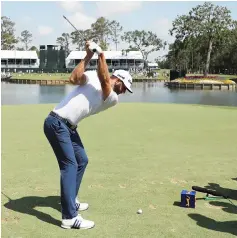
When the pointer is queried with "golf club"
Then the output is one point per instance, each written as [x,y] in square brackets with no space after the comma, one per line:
[6,196]
[93,50]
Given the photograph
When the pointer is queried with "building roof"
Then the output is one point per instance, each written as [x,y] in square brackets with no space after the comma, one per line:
[17,54]
[108,55]
[152,64]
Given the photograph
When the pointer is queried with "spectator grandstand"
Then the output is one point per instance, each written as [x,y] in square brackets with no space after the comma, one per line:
[133,60]
[51,59]
[15,61]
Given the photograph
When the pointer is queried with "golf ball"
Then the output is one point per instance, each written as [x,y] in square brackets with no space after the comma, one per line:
[139,211]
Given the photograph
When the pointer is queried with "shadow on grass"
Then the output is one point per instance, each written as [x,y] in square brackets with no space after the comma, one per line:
[27,205]
[225,206]
[177,204]
[211,224]
[231,193]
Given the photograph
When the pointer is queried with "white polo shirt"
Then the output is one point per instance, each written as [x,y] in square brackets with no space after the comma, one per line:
[84,101]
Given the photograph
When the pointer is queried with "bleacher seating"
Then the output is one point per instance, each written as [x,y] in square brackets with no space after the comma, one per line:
[14,61]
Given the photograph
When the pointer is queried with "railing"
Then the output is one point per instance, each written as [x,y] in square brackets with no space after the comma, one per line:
[21,66]
[116,66]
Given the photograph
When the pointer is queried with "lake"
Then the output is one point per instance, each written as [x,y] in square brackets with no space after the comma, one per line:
[143,92]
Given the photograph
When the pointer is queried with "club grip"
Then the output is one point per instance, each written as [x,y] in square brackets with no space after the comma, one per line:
[93,47]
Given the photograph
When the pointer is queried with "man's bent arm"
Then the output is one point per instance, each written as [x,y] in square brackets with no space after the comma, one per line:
[77,77]
[103,75]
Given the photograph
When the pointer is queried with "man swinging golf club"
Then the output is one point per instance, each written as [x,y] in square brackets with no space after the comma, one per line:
[95,91]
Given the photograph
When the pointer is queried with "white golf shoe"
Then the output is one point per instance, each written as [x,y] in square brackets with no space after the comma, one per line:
[77,223]
[81,206]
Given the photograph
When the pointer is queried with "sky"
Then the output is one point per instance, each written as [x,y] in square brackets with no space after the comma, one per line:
[44,19]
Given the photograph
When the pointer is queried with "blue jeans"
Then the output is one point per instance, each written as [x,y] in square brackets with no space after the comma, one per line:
[72,161]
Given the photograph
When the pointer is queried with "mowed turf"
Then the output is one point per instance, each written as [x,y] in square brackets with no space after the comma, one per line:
[140,156]
[65,76]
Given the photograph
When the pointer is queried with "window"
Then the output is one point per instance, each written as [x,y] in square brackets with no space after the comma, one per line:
[108,61]
[11,61]
[18,61]
[3,61]
[115,62]
[26,61]
[77,61]
[137,62]
[33,61]
[123,62]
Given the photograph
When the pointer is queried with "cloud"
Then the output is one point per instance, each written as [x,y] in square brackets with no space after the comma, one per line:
[45,30]
[161,27]
[80,21]
[110,8]
[78,18]
[71,6]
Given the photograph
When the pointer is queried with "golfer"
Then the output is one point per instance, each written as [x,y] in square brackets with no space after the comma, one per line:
[95,91]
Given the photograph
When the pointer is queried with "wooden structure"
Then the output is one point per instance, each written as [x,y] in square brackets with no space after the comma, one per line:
[200,86]
[58,82]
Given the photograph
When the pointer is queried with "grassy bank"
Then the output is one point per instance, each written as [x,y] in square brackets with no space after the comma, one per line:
[142,159]
[65,76]
[44,76]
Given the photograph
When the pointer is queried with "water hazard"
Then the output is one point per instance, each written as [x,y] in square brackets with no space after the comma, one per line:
[143,92]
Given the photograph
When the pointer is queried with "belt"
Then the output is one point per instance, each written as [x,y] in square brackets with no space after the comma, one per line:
[68,124]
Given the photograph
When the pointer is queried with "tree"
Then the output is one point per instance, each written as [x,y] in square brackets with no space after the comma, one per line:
[225,53]
[78,38]
[8,39]
[162,63]
[205,20]
[115,30]
[104,45]
[177,55]
[20,49]
[26,38]
[146,42]
[101,32]
[64,41]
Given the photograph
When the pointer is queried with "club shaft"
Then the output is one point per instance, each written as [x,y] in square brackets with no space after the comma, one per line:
[73,26]
[70,23]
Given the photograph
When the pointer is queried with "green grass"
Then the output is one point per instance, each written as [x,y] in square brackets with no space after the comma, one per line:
[44,76]
[140,156]
[65,76]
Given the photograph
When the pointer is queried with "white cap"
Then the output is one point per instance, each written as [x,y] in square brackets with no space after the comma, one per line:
[124,76]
